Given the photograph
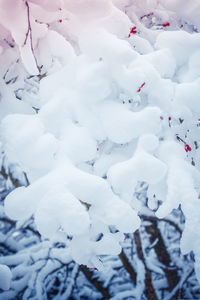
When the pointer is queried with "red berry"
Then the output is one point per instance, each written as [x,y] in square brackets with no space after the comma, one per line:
[139,90]
[169,118]
[187,148]
[166,24]
[60,21]
[132,31]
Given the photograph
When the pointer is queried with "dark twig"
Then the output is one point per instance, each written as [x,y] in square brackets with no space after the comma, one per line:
[162,254]
[128,266]
[150,291]
[154,218]
[6,176]
[179,285]
[13,224]
[98,285]
[29,33]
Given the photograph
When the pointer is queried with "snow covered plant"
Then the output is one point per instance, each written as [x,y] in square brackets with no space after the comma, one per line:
[98,97]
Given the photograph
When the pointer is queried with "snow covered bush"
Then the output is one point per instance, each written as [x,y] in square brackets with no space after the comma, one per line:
[99,97]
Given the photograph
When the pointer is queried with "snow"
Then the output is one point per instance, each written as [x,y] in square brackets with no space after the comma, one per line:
[69,214]
[30,137]
[57,47]
[5,277]
[143,166]
[77,143]
[186,94]
[181,43]
[114,108]
[122,125]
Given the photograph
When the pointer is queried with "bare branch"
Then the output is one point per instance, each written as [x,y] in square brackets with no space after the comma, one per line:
[98,285]
[177,287]
[128,266]
[162,253]
[150,291]
[29,33]
[154,218]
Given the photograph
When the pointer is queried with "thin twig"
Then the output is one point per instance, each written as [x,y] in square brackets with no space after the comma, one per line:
[6,176]
[154,218]
[89,275]
[150,291]
[162,253]
[29,33]
[128,266]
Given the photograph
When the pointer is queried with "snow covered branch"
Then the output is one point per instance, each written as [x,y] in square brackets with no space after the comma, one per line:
[99,140]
